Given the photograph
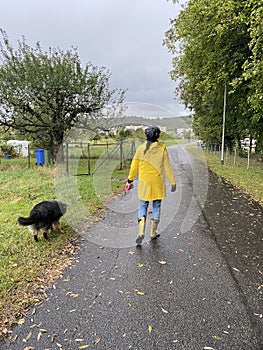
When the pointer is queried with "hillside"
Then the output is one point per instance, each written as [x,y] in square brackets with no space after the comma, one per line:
[170,123]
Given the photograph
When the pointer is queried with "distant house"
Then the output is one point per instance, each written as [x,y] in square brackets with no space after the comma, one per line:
[135,127]
[21,147]
[183,131]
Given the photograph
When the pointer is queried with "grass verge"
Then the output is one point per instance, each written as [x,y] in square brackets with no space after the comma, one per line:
[249,180]
[26,267]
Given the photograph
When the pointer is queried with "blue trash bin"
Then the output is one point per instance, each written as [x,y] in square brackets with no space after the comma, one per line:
[40,155]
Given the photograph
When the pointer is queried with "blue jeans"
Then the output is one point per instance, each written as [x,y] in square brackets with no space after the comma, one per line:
[156,209]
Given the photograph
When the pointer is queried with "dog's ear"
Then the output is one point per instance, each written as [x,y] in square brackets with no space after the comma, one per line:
[62,207]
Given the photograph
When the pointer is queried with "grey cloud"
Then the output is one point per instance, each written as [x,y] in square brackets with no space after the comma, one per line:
[122,35]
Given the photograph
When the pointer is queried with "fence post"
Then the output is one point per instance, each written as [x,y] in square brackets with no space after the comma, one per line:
[121,155]
[28,155]
[248,159]
[133,148]
[67,158]
[227,153]
[235,154]
[88,158]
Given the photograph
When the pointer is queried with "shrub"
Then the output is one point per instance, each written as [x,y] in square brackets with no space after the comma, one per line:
[7,150]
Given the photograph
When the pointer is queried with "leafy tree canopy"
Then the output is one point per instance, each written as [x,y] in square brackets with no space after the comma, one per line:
[218,43]
[43,94]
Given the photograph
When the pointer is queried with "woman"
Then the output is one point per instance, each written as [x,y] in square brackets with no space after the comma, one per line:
[151,162]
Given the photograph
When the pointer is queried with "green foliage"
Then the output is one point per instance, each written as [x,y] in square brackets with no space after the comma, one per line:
[139,133]
[165,137]
[43,94]
[96,138]
[212,44]
[124,134]
[7,150]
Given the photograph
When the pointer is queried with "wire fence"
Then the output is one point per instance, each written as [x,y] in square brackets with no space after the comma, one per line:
[94,156]
[236,156]
[77,158]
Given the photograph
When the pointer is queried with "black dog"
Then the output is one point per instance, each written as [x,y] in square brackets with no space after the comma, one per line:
[44,216]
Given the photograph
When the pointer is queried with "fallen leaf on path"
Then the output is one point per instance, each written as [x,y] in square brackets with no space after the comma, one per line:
[97,295]
[217,337]
[28,336]
[21,321]
[175,341]
[162,262]
[53,338]
[96,341]
[164,311]
[42,330]
[84,346]
[138,292]
[150,328]
[235,269]
[140,265]
[14,338]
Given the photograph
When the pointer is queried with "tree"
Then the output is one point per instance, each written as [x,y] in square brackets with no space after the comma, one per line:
[124,134]
[43,94]
[213,40]
[253,69]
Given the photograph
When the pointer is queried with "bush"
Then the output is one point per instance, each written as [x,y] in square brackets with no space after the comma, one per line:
[7,150]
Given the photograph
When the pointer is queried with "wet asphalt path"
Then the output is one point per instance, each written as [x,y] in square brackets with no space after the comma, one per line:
[199,286]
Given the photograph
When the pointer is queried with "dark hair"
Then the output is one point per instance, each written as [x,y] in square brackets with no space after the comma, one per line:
[152,134]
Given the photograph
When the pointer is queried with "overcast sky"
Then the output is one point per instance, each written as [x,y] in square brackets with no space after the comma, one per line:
[123,35]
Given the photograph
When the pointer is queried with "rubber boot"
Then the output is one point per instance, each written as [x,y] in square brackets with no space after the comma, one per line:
[153,229]
[141,230]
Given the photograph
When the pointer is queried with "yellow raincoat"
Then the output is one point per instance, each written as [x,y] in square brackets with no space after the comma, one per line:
[152,168]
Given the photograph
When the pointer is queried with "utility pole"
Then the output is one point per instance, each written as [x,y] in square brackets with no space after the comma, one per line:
[223,128]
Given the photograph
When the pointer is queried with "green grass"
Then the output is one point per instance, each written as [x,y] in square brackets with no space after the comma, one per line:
[26,267]
[250,180]
[22,261]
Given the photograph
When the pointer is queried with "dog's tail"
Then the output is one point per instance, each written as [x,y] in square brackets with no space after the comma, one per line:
[32,219]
